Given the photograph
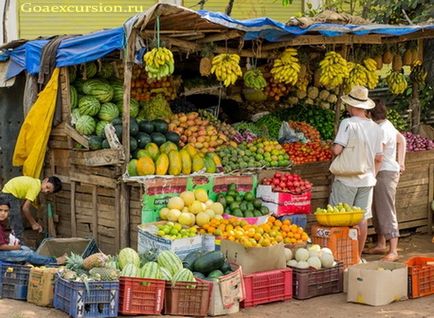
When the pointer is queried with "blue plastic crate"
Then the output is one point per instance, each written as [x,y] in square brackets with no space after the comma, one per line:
[14,279]
[101,299]
[297,219]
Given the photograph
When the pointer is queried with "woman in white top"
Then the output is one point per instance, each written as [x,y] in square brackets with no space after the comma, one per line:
[384,211]
[357,190]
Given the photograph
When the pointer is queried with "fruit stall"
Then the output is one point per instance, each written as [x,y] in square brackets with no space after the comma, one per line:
[118,176]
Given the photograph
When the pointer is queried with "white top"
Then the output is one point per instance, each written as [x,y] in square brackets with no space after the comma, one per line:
[389,147]
[373,136]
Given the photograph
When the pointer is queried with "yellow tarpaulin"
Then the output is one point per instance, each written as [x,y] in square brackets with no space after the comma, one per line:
[33,137]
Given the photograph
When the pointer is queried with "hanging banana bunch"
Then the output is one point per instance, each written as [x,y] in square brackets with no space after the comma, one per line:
[287,67]
[159,63]
[254,78]
[334,70]
[396,82]
[226,68]
[371,72]
[418,73]
[357,76]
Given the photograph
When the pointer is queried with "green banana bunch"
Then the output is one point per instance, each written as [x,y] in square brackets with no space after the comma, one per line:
[334,70]
[287,67]
[226,68]
[159,63]
[254,79]
[396,82]
[358,76]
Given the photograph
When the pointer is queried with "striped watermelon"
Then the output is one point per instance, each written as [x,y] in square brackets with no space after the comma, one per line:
[165,274]
[85,125]
[130,270]
[101,90]
[79,83]
[75,115]
[134,107]
[150,270]
[118,92]
[73,96]
[89,70]
[106,70]
[184,275]
[169,261]
[128,256]
[99,130]
[89,105]
[108,112]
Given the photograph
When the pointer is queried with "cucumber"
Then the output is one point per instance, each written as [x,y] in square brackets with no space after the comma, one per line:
[209,262]
[190,258]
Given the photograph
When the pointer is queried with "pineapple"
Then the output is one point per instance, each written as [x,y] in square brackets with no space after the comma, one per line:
[74,262]
[95,260]
[104,273]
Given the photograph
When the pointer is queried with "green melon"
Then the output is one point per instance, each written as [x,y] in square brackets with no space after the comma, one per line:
[85,125]
[99,130]
[89,105]
[108,112]
[106,70]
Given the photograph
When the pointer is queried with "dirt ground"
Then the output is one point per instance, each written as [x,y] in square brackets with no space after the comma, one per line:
[324,307]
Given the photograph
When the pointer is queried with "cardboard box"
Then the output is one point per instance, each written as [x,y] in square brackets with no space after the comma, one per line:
[227,293]
[377,283]
[41,286]
[181,247]
[254,259]
[282,203]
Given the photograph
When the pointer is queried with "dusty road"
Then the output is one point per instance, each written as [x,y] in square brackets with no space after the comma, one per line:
[325,307]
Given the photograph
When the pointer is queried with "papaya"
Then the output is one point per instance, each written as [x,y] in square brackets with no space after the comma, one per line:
[141,153]
[132,168]
[215,158]
[162,164]
[198,163]
[210,165]
[167,147]
[190,149]
[145,166]
[153,150]
[175,163]
[186,161]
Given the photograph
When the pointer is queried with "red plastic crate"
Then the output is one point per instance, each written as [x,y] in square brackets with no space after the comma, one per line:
[266,287]
[420,276]
[141,296]
[342,241]
[187,299]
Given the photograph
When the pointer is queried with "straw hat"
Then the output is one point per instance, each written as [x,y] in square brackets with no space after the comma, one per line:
[358,97]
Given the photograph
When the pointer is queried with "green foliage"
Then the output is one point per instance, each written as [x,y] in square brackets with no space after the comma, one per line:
[392,11]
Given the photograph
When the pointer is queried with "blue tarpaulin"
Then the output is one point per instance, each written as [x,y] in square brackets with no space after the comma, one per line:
[89,47]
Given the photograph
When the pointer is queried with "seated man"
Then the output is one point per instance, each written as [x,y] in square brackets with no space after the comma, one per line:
[10,249]
[26,189]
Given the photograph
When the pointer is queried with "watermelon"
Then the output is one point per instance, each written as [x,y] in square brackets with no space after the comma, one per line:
[118,130]
[72,70]
[73,97]
[78,83]
[118,92]
[134,127]
[85,125]
[102,91]
[95,142]
[169,261]
[134,107]
[133,144]
[143,139]
[146,126]
[183,275]
[117,121]
[75,115]
[108,112]
[165,274]
[130,270]
[99,130]
[105,144]
[89,70]
[128,256]
[106,70]
[89,105]
[150,270]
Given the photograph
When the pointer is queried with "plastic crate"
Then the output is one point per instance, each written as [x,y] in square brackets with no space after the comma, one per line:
[308,283]
[141,296]
[266,287]
[98,299]
[420,276]
[41,286]
[59,246]
[342,241]
[14,279]
[187,299]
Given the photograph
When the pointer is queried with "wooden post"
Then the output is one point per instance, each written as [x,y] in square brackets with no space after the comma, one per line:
[430,197]
[415,109]
[118,207]
[124,232]
[95,213]
[73,218]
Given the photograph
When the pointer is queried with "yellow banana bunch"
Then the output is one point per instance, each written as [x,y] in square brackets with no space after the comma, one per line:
[334,70]
[159,63]
[358,76]
[418,73]
[254,79]
[371,72]
[287,67]
[396,82]
[370,64]
[226,68]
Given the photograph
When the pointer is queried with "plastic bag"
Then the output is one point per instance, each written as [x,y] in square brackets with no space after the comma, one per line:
[289,135]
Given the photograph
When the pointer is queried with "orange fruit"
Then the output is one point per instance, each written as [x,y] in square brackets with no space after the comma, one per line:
[278,223]
[287,222]
[271,219]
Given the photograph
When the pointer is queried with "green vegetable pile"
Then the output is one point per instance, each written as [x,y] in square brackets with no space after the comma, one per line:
[271,123]
[396,119]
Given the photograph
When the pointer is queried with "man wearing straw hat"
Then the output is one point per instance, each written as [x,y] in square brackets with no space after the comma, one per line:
[357,189]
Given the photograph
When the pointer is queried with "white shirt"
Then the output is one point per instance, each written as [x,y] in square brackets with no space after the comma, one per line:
[389,147]
[373,136]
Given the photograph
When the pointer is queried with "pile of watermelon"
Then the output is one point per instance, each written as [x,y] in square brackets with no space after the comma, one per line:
[97,100]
